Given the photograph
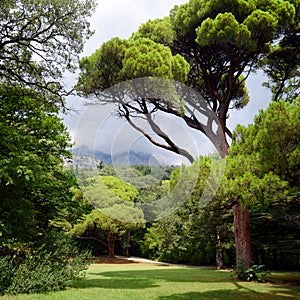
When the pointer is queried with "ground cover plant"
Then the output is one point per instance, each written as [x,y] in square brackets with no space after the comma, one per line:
[149,281]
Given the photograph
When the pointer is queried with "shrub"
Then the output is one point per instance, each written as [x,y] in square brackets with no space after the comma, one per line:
[49,268]
[254,273]
[6,273]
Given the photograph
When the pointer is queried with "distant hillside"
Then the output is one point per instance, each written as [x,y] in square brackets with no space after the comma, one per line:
[125,158]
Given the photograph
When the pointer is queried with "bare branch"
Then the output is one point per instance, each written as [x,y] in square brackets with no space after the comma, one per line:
[164,136]
[171,145]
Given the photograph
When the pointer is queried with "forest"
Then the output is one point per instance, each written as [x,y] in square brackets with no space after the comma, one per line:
[237,208]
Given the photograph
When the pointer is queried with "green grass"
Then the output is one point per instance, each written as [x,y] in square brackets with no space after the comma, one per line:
[147,281]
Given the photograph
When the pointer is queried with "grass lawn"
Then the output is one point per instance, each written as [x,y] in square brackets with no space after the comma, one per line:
[139,281]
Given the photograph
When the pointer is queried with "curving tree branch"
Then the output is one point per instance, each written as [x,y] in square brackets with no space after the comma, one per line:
[170,146]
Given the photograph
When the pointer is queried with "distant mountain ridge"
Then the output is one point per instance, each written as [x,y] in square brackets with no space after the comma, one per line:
[124,158]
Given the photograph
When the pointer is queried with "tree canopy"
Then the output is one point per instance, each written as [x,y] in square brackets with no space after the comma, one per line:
[33,184]
[282,67]
[40,40]
[119,60]
[114,213]
[271,144]
[222,42]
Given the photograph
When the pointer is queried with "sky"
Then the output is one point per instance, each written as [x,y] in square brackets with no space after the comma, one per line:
[96,128]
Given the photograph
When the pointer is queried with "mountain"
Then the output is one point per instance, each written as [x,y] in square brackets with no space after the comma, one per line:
[87,157]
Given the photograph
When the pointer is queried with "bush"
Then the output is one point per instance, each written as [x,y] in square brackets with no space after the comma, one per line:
[254,273]
[6,273]
[49,268]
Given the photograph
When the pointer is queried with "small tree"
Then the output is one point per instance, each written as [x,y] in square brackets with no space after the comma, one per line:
[114,213]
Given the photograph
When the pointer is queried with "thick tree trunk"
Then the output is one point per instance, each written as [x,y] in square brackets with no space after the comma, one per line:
[219,252]
[242,235]
[111,244]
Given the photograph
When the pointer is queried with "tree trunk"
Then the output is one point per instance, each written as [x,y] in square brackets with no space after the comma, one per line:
[127,243]
[219,253]
[242,235]
[111,244]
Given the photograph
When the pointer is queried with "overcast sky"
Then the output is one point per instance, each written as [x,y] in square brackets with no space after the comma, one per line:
[120,18]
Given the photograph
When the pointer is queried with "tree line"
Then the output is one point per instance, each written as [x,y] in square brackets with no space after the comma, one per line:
[262,173]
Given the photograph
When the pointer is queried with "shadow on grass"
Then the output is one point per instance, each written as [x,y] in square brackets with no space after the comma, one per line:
[143,279]
[115,283]
[171,275]
[242,292]
[226,295]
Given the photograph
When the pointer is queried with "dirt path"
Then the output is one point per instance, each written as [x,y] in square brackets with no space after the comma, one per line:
[133,259]
[149,261]
[145,260]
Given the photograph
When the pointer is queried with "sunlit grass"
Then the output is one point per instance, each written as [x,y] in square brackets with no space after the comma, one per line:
[147,281]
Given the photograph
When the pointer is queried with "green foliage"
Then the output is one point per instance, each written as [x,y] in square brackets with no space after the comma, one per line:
[144,169]
[6,273]
[263,172]
[114,213]
[104,191]
[188,235]
[254,273]
[102,69]
[282,67]
[107,170]
[51,267]
[100,220]
[119,60]
[33,184]
[54,31]
[158,30]
[272,142]
[120,188]
[222,32]
[114,197]
[282,63]
[72,211]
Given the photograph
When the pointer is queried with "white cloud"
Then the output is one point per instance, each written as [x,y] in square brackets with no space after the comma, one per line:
[123,17]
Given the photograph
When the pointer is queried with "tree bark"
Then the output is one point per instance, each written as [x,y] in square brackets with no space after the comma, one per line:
[111,244]
[242,235]
[127,243]
[219,252]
